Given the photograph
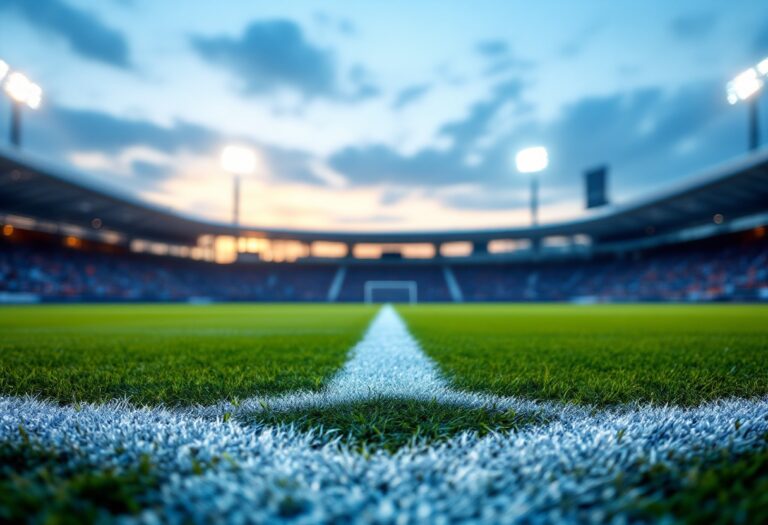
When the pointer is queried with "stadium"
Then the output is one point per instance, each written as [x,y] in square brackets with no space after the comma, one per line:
[163,364]
[703,240]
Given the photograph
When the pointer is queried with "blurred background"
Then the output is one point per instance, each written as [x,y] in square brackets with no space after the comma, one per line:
[514,151]
[381,115]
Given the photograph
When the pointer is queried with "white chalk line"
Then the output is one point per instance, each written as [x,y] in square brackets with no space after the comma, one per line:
[387,363]
[562,471]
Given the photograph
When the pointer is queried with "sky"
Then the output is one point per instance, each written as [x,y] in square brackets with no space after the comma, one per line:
[382,115]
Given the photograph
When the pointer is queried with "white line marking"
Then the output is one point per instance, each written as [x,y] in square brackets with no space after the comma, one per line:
[563,471]
[387,362]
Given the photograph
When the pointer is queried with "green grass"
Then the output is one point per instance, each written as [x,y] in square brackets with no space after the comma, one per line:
[390,424]
[721,489]
[173,354]
[180,355]
[39,486]
[601,355]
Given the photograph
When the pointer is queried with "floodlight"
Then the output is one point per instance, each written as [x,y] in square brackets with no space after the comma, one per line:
[34,96]
[239,160]
[744,86]
[762,67]
[532,160]
[17,86]
[22,90]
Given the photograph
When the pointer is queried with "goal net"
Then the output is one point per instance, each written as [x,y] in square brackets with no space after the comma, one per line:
[391,292]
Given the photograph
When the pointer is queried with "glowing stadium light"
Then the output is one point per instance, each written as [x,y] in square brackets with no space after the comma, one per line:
[23,90]
[746,87]
[238,160]
[533,160]
[762,67]
[34,95]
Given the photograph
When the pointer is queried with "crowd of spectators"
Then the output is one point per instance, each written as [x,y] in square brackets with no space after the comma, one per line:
[726,270]
[730,271]
[60,273]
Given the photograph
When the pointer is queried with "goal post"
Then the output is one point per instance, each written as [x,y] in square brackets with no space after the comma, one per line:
[390,290]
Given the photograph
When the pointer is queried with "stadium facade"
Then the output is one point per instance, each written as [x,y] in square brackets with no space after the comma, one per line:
[66,237]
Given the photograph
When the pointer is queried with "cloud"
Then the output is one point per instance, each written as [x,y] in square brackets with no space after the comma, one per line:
[363,84]
[467,130]
[393,195]
[639,132]
[100,139]
[82,30]
[150,171]
[492,48]
[409,95]
[478,198]
[578,42]
[647,137]
[499,57]
[693,26]
[272,55]
[343,26]
[64,128]
[380,164]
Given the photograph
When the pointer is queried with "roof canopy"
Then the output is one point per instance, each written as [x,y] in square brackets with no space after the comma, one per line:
[32,188]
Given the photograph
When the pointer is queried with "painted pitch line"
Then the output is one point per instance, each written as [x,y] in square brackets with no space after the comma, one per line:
[387,362]
[565,471]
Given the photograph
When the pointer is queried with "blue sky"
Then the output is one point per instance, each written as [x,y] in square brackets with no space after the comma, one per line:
[381,115]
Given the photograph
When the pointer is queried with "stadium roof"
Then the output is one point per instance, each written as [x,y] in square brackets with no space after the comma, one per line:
[33,188]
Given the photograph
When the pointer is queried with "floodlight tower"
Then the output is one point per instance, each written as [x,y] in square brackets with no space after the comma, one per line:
[22,92]
[747,87]
[238,161]
[533,160]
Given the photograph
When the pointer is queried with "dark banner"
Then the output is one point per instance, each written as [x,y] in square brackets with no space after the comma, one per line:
[596,183]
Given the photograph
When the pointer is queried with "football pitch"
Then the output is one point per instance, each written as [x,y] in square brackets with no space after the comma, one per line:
[353,413]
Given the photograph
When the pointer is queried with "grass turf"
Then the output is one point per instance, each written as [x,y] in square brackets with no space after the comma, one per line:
[173,354]
[601,355]
[39,486]
[390,424]
[182,355]
[718,489]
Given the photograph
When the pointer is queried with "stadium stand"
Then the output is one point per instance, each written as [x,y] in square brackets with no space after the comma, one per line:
[65,238]
[58,273]
[730,268]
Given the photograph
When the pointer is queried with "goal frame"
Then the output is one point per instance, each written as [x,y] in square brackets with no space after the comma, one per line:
[410,286]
